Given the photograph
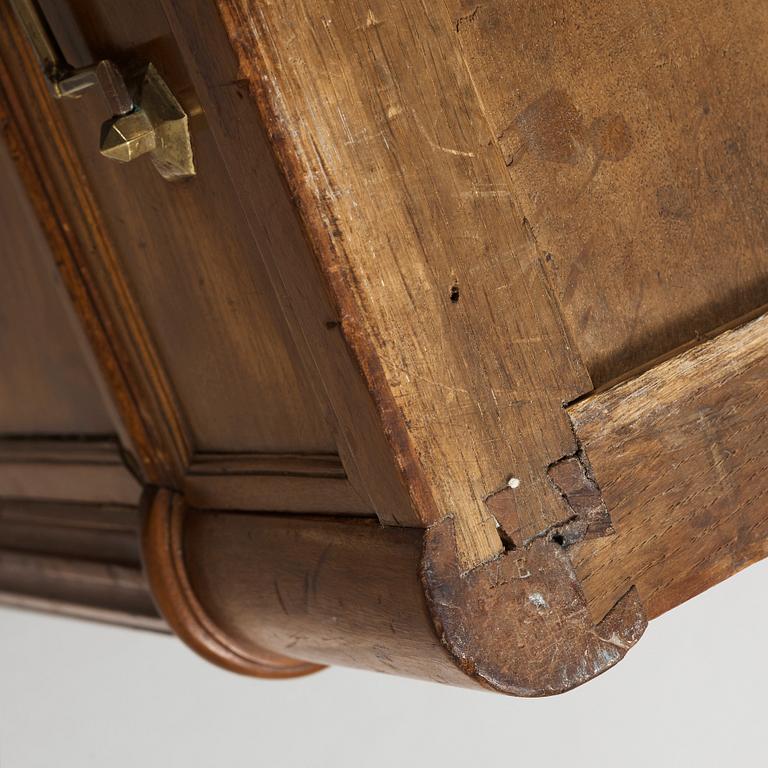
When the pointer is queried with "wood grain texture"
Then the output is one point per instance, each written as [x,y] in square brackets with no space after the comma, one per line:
[294,274]
[189,257]
[420,239]
[634,137]
[400,351]
[680,454]
[55,184]
[348,594]
[437,292]
[45,384]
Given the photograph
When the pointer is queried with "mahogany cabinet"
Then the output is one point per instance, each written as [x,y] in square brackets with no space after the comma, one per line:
[424,336]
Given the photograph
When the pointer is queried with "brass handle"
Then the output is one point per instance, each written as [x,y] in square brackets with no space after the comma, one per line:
[146,117]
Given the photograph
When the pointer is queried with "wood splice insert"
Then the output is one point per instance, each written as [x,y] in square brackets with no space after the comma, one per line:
[681,454]
[424,370]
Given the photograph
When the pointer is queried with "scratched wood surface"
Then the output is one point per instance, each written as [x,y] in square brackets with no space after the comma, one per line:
[443,302]
[419,229]
[680,454]
[311,314]
[350,595]
[634,135]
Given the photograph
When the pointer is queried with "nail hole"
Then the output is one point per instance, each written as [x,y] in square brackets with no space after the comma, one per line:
[455,294]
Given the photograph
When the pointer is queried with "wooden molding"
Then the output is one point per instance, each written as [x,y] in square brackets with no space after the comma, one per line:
[77,610]
[85,531]
[74,559]
[66,470]
[272,483]
[661,500]
[419,233]
[55,182]
[351,592]
[164,513]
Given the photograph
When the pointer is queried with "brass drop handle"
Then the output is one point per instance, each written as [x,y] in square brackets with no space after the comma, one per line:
[146,117]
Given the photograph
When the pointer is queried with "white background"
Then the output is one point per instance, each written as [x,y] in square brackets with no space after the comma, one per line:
[689,694]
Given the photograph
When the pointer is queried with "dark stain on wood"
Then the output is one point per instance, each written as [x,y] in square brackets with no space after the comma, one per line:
[519,624]
[554,130]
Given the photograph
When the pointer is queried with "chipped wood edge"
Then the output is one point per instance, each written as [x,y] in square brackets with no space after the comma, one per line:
[520,624]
